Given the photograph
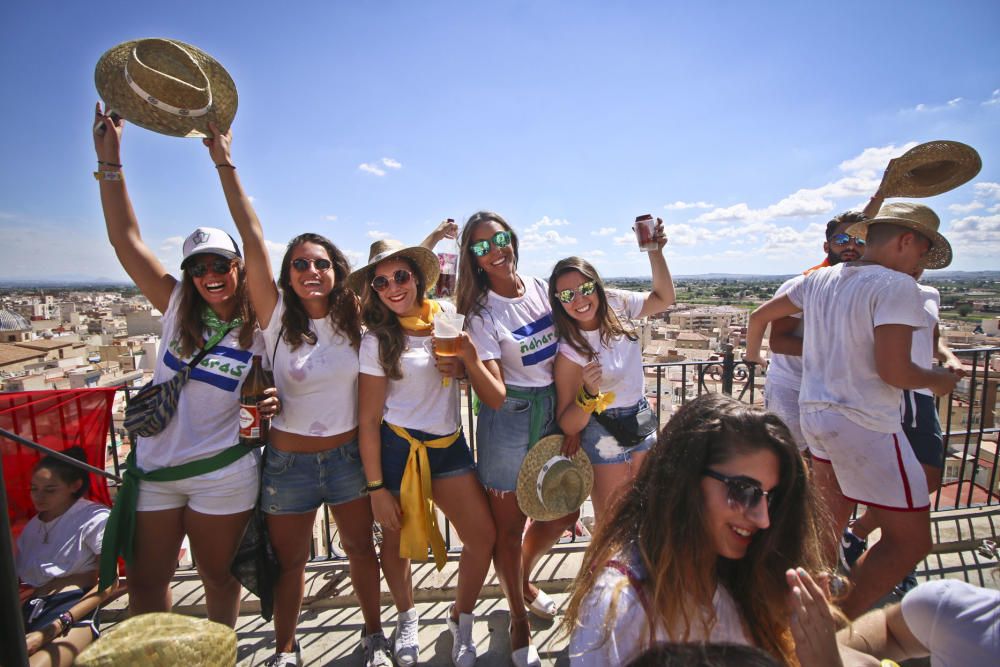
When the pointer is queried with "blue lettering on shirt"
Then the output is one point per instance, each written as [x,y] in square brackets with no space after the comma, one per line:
[537,341]
[223,367]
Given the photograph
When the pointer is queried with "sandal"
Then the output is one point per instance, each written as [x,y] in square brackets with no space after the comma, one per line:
[526,656]
[542,606]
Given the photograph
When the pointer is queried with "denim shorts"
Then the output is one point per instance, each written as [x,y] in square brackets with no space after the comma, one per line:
[923,428]
[502,437]
[450,461]
[294,483]
[40,611]
[602,447]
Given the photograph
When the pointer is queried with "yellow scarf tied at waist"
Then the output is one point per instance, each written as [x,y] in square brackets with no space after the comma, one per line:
[425,320]
[419,524]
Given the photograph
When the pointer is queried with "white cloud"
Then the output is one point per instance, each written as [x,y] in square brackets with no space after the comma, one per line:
[603,231]
[920,107]
[171,243]
[966,208]
[975,236]
[533,239]
[872,161]
[546,221]
[682,205]
[988,190]
[371,169]
[330,218]
[391,163]
[595,253]
[375,234]
[994,99]
[625,239]
[955,102]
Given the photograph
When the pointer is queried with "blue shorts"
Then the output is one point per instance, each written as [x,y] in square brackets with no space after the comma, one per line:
[923,428]
[502,436]
[602,448]
[295,483]
[451,461]
[40,611]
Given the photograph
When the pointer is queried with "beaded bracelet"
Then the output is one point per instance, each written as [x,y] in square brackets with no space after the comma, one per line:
[109,164]
[66,620]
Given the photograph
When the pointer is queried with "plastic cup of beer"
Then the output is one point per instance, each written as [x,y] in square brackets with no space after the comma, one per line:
[645,232]
[447,336]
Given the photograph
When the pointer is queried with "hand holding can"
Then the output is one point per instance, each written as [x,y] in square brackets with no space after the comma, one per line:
[645,232]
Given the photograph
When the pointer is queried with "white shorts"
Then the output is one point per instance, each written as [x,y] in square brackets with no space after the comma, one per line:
[230,494]
[877,469]
[783,401]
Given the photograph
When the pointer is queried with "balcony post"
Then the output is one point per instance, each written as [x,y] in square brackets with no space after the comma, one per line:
[728,369]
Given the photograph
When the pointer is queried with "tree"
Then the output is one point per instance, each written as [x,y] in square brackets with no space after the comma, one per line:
[964,310]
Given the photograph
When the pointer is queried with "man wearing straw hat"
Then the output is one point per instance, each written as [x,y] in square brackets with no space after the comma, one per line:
[859,321]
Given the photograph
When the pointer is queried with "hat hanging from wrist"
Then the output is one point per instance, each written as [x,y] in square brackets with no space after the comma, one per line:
[930,169]
[166,86]
[161,639]
[550,485]
[383,249]
[920,219]
[209,240]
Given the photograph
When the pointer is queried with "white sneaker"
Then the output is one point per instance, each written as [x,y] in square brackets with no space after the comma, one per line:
[463,650]
[526,656]
[406,647]
[376,650]
[292,659]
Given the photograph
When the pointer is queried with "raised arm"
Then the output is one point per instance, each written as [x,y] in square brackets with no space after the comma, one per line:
[260,277]
[446,230]
[662,296]
[139,262]
[777,307]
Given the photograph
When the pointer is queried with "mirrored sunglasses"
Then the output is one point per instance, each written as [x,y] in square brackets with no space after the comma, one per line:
[740,491]
[302,264]
[400,277]
[585,289]
[482,248]
[844,239]
[220,266]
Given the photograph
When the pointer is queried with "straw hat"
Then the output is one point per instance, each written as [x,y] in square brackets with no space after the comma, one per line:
[166,86]
[930,169]
[917,217]
[385,249]
[162,640]
[549,485]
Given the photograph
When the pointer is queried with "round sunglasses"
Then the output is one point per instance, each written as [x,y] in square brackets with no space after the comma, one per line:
[741,491]
[302,264]
[844,239]
[219,267]
[399,276]
[482,248]
[584,289]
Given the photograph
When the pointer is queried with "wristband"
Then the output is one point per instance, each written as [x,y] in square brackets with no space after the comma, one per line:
[227,166]
[591,404]
[375,486]
[109,176]
[66,620]
[109,164]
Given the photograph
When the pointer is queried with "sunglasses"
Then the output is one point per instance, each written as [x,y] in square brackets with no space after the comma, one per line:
[220,266]
[585,289]
[400,277]
[844,239]
[482,248]
[741,491]
[301,264]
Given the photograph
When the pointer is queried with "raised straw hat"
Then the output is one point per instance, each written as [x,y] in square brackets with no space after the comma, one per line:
[162,639]
[384,249]
[550,485]
[931,169]
[920,219]
[166,86]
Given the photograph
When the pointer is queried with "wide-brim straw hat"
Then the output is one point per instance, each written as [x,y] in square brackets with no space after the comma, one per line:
[385,249]
[931,169]
[550,485]
[162,639]
[920,219]
[166,86]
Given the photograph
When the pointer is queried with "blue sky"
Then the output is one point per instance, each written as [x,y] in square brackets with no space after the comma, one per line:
[744,125]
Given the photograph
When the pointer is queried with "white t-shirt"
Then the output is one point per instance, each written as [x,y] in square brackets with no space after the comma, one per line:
[519,333]
[841,307]
[419,400]
[922,350]
[628,632]
[786,369]
[621,361]
[207,418]
[317,384]
[957,622]
[74,544]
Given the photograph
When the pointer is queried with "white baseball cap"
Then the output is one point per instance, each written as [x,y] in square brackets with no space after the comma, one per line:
[210,240]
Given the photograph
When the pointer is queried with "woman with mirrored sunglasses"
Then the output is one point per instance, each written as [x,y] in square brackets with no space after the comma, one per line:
[211,497]
[698,547]
[600,385]
[311,321]
[509,319]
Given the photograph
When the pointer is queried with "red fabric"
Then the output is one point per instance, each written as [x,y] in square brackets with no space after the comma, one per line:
[58,420]
[822,265]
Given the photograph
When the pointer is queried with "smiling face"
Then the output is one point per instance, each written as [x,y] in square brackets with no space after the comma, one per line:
[311,283]
[399,298]
[729,527]
[499,263]
[50,495]
[218,282]
[582,308]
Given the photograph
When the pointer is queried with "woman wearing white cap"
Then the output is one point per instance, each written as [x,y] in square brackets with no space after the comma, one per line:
[312,329]
[193,477]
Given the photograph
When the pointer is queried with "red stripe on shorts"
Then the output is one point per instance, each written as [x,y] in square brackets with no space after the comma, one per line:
[902,472]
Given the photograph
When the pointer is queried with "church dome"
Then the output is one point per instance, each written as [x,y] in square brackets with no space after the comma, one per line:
[11,321]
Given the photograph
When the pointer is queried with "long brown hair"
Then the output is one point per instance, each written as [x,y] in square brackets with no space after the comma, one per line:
[192,330]
[344,307]
[567,329]
[384,323]
[472,283]
[661,517]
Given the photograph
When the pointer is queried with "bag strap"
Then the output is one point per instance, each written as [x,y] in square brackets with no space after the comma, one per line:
[211,343]
[274,353]
[633,580]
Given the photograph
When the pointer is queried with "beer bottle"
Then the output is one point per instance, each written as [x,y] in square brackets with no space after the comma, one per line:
[253,430]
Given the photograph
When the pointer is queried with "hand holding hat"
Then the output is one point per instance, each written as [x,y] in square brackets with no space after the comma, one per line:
[550,484]
[929,169]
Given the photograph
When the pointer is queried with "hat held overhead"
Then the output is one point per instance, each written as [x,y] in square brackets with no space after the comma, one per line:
[166,86]
[930,169]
